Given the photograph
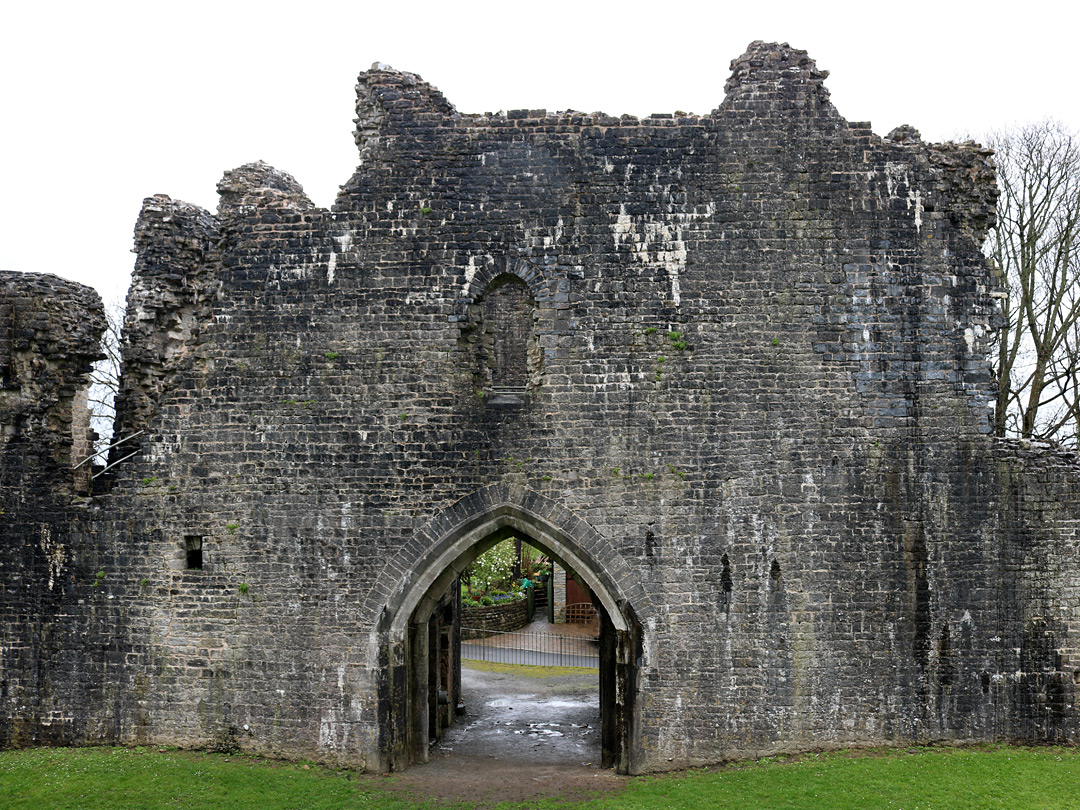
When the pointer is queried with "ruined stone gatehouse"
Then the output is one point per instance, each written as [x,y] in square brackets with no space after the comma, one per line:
[729,369]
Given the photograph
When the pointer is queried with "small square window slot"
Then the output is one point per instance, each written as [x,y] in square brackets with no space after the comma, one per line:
[193,545]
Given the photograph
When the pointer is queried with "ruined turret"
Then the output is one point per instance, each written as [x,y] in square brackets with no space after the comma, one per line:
[49,335]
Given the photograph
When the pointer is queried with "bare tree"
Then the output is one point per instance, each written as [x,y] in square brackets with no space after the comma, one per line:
[105,378]
[1035,243]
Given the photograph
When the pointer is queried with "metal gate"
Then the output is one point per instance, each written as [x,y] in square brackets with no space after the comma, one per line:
[535,649]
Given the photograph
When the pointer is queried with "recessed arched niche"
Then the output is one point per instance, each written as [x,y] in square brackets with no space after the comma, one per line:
[510,357]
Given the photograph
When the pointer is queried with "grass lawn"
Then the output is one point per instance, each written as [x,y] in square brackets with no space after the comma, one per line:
[148,779]
[982,778]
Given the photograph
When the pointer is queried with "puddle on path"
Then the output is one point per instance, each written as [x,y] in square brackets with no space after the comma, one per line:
[556,721]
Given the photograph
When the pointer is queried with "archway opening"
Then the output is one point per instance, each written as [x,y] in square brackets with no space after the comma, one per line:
[527,694]
[421,681]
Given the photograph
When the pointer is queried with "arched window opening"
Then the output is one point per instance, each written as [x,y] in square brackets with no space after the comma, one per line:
[510,354]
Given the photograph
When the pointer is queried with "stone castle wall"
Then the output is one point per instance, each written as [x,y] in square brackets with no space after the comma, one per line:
[49,333]
[753,399]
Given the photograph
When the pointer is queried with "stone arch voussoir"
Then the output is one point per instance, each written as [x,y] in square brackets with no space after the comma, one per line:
[442,540]
[535,276]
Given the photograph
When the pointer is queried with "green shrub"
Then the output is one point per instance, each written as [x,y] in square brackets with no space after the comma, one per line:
[492,573]
[492,570]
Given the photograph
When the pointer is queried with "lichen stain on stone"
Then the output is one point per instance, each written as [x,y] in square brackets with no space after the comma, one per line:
[55,554]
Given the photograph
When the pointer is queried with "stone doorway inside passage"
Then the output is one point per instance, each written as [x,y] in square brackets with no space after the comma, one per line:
[422,684]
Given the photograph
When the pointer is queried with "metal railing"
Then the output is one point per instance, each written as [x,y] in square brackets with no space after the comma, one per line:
[536,649]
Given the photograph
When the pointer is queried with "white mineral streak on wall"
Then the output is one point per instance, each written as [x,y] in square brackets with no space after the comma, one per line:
[674,261]
[916,198]
[331,731]
[896,175]
[659,244]
[344,243]
[623,226]
[672,739]
[55,554]
[896,178]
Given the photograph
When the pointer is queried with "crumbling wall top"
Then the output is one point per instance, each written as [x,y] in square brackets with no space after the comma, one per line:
[387,96]
[768,76]
[50,332]
[170,290]
[773,62]
[775,75]
[260,185]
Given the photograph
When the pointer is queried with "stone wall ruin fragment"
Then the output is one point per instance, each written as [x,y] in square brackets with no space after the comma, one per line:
[752,413]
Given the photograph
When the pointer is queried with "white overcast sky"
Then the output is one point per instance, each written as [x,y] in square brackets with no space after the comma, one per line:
[103,104]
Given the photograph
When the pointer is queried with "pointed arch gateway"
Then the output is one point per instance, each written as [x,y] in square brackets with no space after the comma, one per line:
[449,543]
